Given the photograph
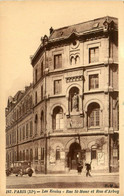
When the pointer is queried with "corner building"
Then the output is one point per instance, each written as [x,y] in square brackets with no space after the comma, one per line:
[75,98]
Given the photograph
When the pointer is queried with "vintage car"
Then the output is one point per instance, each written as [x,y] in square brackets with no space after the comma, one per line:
[20,168]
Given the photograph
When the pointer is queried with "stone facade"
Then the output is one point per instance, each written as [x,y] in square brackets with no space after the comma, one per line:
[75,114]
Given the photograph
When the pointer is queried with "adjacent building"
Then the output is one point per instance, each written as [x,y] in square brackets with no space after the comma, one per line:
[72,106]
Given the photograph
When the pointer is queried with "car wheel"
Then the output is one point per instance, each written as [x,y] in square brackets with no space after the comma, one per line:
[7,173]
[30,174]
[20,173]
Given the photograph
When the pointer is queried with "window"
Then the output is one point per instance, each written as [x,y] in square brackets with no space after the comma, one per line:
[58,122]
[23,155]
[15,136]
[31,155]
[36,153]
[35,75]
[27,130]
[36,121]
[20,135]
[42,69]
[93,55]
[93,152]
[31,128]
[117,117]
[57,87]
[17,114]
[23,132]
[94,115]
[36,97]
[30,102]
[57,153]
[93,81]
[42,122]
[23,108]
[20,111]
[27,104]
[15,156]
[12,137]
[7,140]
[27,155]
[41,92]
[72,60]
[57,61]
[42,154]
[10,156]
[20,156]
[77,60]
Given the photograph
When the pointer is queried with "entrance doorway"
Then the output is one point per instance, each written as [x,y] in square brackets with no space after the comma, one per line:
[75,155]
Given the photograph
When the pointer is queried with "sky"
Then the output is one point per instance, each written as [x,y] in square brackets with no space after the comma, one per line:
[23,23]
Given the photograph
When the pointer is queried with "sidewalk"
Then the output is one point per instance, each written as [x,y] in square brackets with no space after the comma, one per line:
[76,174]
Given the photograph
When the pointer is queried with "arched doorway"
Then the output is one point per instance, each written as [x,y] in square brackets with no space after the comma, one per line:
[74,155]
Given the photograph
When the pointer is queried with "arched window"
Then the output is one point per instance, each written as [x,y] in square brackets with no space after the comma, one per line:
[58,153]
[58,118]
[77,60]
[42,122]
[72,60]
[93,115]
[93,152]
[36,121]
[74,99]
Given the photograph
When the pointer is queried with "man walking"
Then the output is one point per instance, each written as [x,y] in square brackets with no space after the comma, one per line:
[88,169]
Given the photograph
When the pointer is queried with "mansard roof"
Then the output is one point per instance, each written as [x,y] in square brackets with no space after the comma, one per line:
[78,30]
[82,28]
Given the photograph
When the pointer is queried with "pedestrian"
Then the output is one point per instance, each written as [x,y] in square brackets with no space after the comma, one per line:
[79,167]
[88,169]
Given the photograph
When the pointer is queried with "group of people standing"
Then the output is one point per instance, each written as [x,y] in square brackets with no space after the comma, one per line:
[88,168]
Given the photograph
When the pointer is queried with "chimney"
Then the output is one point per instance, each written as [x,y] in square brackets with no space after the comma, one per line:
[51,30]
